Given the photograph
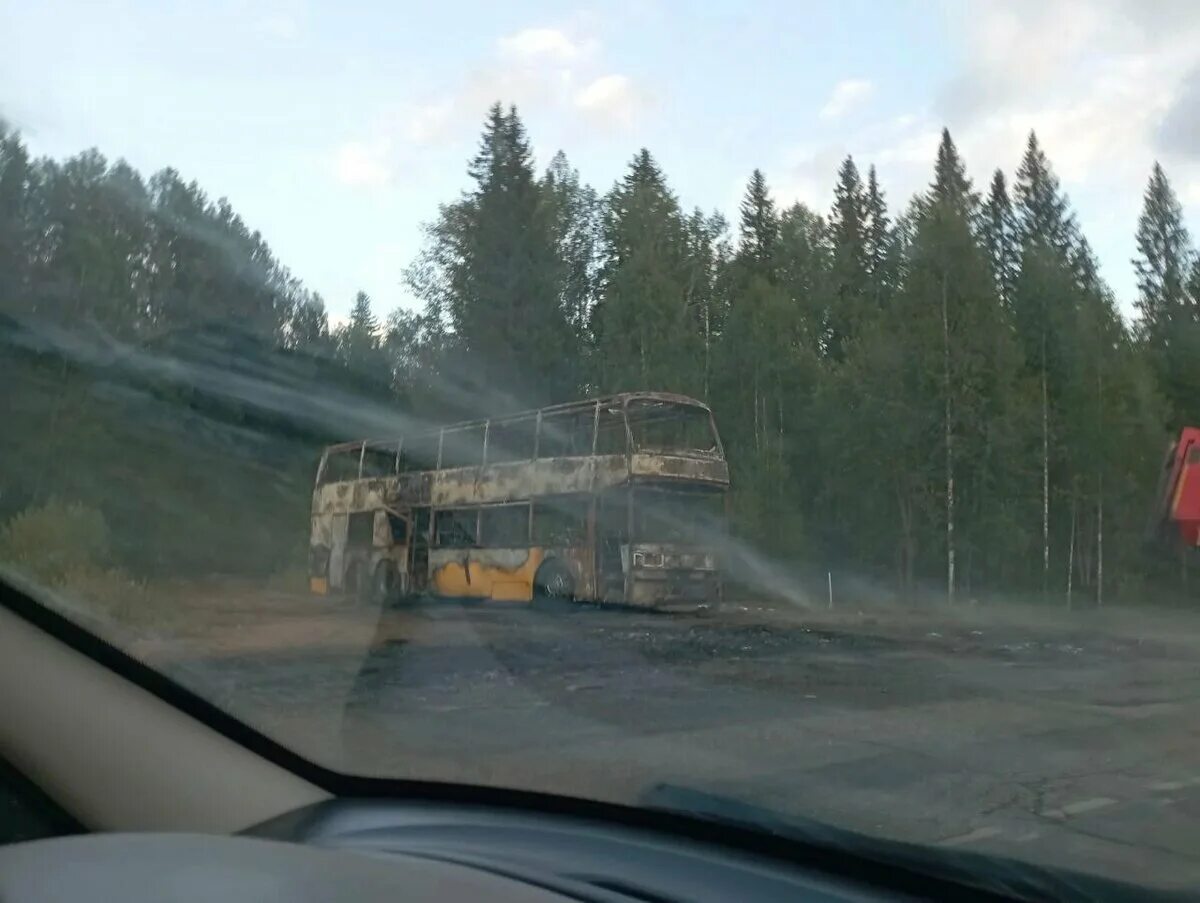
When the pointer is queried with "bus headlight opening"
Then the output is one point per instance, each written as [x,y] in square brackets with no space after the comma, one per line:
[643,559]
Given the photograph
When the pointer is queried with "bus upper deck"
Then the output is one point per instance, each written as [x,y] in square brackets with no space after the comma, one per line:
[630,436]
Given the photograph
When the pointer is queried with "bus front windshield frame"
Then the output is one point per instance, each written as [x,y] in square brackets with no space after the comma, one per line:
[670,427]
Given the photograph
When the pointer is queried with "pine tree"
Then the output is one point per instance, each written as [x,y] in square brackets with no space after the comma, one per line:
[707,256]
[1168,303]
[493,273]
[1181,379]
[850,276]
[16,223]
[643,332]
[574,210]
[949,270]
[879,244]
[754,302]
[309,327]
[1162,262]
[803,269]
[576,224]
[759,228]
[358,339]
[950,183]
[998,231]
[1043,212]
[1111,422]
[489,160]
[363,327]
[360,348]
[1045,305]
[763,359]
[204,265]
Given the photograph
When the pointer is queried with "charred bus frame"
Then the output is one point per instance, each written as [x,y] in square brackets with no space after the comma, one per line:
[618,498]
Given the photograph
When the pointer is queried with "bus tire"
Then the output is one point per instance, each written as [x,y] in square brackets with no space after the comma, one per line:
[553,585]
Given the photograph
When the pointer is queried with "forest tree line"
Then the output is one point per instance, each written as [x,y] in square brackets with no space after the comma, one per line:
[941,396]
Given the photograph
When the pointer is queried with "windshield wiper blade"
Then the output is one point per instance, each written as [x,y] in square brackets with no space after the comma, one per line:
[881,861]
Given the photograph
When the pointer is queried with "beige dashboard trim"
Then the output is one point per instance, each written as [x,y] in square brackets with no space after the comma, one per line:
[117,757]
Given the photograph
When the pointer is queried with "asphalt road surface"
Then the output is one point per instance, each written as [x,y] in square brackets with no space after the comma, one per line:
[1061,743]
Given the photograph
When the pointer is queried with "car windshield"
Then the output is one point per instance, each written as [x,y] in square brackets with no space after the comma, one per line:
[798,403]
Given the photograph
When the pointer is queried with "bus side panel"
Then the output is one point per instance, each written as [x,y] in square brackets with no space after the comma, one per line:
[581,560]
[318,554]
[337,550]
[485,573]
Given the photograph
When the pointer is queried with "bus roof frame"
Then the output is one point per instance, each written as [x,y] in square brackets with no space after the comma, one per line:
[619,398]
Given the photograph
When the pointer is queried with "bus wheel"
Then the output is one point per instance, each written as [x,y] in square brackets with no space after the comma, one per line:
[553,585]
[384,585]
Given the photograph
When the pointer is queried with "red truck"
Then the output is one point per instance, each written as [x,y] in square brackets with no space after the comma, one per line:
[1178,504]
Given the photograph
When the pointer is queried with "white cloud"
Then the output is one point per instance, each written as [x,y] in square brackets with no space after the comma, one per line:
[807,175]
[426,123]
[532,44]
[541,70]
[1108,85]
[281,26]
[1094,78]
[903,148]
[611,98]
[846,95]
[362,164]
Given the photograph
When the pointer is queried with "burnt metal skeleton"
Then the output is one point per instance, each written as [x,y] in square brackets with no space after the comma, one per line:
[618,498]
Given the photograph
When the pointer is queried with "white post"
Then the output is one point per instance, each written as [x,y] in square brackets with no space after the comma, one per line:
[829,578]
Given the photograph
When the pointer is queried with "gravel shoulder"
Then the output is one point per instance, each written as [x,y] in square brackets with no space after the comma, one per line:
[1066,737]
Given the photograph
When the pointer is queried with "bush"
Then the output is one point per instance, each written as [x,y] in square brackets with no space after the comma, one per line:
[55,540]
[64,547]
[110,594]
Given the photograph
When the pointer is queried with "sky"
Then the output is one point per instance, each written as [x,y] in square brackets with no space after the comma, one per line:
[336,129]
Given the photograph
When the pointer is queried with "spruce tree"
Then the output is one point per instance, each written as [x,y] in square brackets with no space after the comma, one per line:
[1043,212]
[494,274]
[363,325]
[1163,261]
[754,304]
[761,384]
[707,256]
[877,224]
[643,330]
[1168,303]
[951,288]
[850,275]
[309,327]
[1045,305]
[16,223]
[575,211]
[950,183]
[759,227]
[804,270]
[998,231]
